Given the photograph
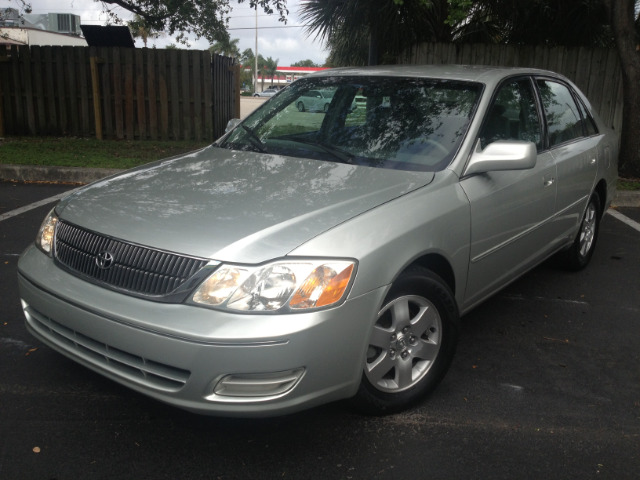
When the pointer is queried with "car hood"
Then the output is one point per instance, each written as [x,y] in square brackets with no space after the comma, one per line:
[233,206]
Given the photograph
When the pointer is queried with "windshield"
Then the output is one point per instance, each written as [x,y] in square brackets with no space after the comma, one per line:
[384,122]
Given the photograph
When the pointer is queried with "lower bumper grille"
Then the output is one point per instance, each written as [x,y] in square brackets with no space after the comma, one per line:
[133,367]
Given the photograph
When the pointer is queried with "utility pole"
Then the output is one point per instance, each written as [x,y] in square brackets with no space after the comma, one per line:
[255,57]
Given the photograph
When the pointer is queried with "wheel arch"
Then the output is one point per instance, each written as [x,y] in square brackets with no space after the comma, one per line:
[601,191]
[439,265]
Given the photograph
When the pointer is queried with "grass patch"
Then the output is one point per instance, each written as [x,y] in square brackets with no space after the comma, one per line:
[89,152]
[629,184]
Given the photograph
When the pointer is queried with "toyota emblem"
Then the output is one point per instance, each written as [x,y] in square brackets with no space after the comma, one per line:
[104,260]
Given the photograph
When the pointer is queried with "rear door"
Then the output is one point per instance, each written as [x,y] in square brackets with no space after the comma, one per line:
[573,139]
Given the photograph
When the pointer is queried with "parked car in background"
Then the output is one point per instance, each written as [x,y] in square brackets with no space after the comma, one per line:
[303,259]
[315,101]
[269,92]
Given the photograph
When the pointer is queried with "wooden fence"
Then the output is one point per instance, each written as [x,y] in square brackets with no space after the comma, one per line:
[596,71]
[118,93]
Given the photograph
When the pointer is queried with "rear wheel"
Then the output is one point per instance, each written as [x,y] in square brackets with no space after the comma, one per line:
[580,253]
[300,107]
[411,344]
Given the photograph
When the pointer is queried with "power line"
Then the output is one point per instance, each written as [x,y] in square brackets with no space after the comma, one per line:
[267,28]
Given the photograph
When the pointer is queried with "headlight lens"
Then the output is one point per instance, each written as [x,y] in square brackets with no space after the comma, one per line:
[46,234]
[296,286]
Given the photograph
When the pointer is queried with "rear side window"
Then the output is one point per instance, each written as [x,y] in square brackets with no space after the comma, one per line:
[590,127]
[564,121]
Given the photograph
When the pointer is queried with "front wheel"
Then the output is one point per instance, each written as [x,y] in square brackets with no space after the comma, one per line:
[581,251]
[411,344]
[300,107]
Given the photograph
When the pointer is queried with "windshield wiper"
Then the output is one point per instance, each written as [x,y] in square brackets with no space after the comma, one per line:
[255,139]
[341,155]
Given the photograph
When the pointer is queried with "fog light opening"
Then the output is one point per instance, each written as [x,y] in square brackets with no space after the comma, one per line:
[255,386]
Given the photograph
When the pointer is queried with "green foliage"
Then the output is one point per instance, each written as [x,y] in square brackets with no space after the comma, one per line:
[200,18]
[629,184]
[376,30]
[88,152]
[543,22]
[305,63]
[228,48]
[139,29]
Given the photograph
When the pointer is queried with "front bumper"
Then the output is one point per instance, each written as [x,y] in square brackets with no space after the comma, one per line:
[198,359]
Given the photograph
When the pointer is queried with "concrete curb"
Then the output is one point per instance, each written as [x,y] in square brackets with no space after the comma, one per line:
[35,173]
[626,199]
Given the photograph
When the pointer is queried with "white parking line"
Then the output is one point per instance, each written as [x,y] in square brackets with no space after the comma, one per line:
[624,219]
[26,208]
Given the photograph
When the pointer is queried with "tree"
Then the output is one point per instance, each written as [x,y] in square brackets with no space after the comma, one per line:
[247,60]
[374,31]
[624,17]
[139,29]
[201,18]
[270,69]
[227,48]
[543,22]
[305,63]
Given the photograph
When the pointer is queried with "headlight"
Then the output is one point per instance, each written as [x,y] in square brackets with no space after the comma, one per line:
[46,234]
[294,285]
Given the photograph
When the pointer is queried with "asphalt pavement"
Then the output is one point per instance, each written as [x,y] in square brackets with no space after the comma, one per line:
[545,384]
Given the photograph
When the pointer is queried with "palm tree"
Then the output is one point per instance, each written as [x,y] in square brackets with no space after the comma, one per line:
[270,69]
[383,28]
[226,47]
[140,29]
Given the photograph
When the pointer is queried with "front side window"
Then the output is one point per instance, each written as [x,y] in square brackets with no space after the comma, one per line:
[563,117]
[383,122]
[513,115]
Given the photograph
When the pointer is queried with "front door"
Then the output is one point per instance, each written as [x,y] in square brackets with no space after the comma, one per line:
[511,211]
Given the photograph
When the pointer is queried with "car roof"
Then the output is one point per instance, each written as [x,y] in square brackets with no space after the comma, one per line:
[469,73]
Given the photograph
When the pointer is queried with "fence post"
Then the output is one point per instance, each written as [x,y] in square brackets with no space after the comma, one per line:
[95,87]
[236,91]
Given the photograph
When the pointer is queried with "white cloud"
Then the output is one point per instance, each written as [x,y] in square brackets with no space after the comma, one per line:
[286,42]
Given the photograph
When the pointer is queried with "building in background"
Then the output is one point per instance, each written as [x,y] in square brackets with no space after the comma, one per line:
[284,76]
[40,29]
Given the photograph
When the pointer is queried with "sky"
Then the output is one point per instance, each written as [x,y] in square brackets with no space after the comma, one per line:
[286,43]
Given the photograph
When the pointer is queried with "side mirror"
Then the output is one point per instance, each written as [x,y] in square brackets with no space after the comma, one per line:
[231,124]
[502,155]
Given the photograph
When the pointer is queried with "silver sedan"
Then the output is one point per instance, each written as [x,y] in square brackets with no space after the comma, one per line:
[303,259]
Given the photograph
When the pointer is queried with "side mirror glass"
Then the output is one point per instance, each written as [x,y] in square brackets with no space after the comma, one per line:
[502,155]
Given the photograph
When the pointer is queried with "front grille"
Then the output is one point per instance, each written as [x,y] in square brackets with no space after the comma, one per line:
[134,367]
[122,265]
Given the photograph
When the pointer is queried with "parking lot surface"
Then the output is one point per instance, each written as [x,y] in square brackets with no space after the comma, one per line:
[546,383]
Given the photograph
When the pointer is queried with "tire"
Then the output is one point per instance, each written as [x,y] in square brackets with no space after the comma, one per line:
[300,107]
[326,108]
[411,344]
[579,254]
